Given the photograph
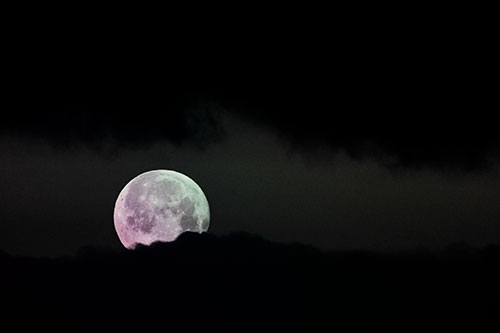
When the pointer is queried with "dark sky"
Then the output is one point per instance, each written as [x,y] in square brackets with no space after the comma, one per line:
[58,185]
[344,136]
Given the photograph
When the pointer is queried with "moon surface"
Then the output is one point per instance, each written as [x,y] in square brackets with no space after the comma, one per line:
[159,205]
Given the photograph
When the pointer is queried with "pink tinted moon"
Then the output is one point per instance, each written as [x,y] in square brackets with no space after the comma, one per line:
[159,205]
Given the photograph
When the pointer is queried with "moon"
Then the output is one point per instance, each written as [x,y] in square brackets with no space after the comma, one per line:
[159,205]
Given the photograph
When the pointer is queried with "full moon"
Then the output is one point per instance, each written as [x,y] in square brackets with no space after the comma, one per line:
[159,205]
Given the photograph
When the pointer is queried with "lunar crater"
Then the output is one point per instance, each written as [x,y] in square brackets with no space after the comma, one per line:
[187,206]
[189,223]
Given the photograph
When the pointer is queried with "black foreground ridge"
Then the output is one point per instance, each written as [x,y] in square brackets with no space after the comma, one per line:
[243,283]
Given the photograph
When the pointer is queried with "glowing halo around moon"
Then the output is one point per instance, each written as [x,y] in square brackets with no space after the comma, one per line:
[159,205]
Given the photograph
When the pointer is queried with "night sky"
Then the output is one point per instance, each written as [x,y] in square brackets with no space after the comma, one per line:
[376,136]
[332,179]
[350,158]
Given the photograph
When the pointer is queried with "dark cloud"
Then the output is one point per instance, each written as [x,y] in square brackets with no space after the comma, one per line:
[419,94]
[424,103]
[410,138]
[125,124]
